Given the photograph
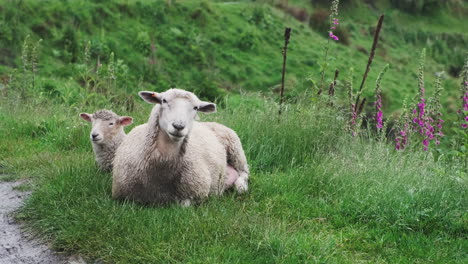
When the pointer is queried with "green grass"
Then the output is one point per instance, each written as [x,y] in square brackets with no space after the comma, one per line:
[316,195]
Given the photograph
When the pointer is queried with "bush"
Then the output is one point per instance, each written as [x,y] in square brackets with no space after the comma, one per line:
[417,6]
[297,12]
[143,43]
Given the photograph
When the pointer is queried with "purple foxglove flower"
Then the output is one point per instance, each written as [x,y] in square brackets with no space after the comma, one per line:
[421,108]
[425,142]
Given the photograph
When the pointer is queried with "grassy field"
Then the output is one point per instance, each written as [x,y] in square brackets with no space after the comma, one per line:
[317,194]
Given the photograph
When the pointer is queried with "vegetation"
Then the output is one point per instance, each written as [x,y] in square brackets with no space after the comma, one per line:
[323,189]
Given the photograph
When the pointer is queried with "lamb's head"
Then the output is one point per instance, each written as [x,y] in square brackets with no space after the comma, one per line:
[176,110]
[106,125]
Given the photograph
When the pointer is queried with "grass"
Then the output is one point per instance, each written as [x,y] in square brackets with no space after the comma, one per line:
[316,195]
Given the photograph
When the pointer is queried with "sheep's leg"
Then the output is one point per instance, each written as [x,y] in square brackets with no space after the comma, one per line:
[194,185]
[242,183]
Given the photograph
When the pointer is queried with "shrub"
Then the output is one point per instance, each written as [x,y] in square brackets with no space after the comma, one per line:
[298,13]
[143,43]
[417,6]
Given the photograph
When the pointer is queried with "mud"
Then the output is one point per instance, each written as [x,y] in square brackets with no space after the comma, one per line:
[17,247]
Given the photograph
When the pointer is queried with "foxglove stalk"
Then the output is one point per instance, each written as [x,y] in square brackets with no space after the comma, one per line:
[378,101]
[334,21]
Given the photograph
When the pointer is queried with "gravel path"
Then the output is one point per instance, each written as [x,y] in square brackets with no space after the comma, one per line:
[15,247]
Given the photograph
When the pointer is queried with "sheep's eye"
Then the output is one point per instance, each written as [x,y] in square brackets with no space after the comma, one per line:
[195,108]
[110,124]
[164,101]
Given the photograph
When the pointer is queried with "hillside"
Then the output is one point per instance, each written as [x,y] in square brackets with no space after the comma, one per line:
[219,47]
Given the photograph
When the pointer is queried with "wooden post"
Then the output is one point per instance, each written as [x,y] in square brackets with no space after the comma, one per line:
[371,57]
[287,33]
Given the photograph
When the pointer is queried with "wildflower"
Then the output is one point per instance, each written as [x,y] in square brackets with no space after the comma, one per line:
[425,142]
[439,124]
[402,138]
[425,114]
[378,100]
[379,120]
[421,108]
[334,21]
[333,36]
[465,102]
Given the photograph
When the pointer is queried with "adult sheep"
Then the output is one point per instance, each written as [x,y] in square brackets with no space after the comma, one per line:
[173,158]
[107,133]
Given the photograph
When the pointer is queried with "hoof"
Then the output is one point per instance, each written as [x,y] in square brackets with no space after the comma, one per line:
[241,184]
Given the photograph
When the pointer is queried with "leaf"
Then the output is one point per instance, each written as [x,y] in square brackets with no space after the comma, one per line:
[176,31]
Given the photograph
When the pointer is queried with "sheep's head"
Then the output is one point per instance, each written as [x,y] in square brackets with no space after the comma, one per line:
[177,109]
[105,125]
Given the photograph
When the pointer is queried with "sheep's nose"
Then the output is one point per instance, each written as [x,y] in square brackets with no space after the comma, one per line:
[94,135]
[178,126]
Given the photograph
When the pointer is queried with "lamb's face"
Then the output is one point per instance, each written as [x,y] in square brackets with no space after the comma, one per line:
[105,126]
[177,111]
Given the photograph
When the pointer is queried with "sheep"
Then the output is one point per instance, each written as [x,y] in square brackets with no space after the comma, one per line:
[106,135]
[173,158]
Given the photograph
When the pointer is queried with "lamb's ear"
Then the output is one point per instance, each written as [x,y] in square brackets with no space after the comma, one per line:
[150,97]
[86,116]
[206,107]
[125,120]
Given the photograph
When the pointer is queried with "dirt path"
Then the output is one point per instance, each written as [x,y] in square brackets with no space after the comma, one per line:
[15,247]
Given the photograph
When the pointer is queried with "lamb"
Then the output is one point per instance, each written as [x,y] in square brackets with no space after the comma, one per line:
[106,135]
[173,158]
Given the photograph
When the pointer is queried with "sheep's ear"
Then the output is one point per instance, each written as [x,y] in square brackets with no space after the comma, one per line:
[150,97]
[125,120]
[206,107]
[86,116]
